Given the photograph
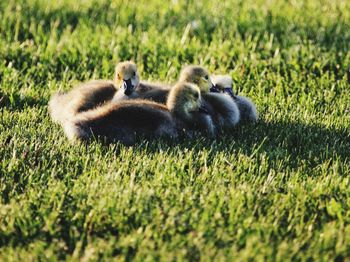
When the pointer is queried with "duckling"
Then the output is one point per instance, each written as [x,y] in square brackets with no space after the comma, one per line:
[94,93]
[247,109]
[164,93]
[126,80]
[221,107]
[186,103]
[126,120]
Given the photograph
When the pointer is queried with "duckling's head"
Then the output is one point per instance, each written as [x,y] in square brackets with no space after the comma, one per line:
[197,75]
[126,77]
[223,84]
[184,99]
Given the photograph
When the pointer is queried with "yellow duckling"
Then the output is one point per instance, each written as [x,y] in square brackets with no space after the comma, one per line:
[221,107]
[180,102]
[247,109]
[95,93]
[126,120]
[126,80]
[165,93]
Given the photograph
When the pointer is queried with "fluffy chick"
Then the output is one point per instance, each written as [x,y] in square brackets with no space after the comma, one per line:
[186,103]
[126,120]
[94,93]
[221,107]
[126,80]
[247,109]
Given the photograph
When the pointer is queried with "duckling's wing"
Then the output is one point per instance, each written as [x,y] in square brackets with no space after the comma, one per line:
[92,94]
[247,109]
[129,118]
[225,108]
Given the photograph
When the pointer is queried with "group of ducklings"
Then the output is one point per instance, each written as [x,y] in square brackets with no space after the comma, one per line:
[127,108]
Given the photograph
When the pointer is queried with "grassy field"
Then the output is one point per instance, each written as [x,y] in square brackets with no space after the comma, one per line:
[276,190]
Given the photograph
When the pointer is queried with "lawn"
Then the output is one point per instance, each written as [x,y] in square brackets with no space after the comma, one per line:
[276,190]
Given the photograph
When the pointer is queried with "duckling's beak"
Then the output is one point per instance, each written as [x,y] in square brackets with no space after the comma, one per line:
[214,89]
[128,87]
[229,91]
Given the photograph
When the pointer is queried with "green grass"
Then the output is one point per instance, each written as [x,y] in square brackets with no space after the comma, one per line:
[275,190]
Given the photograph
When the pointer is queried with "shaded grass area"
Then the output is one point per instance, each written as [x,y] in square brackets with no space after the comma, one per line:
[275,190]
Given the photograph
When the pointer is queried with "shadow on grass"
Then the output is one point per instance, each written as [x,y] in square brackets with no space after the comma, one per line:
[306,141]
[287,141]
[290,142]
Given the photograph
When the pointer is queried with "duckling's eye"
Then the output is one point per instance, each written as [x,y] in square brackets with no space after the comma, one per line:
[134,74]
[206,78]
[196,95]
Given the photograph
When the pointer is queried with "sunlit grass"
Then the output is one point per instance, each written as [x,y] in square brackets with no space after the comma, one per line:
[274,190]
